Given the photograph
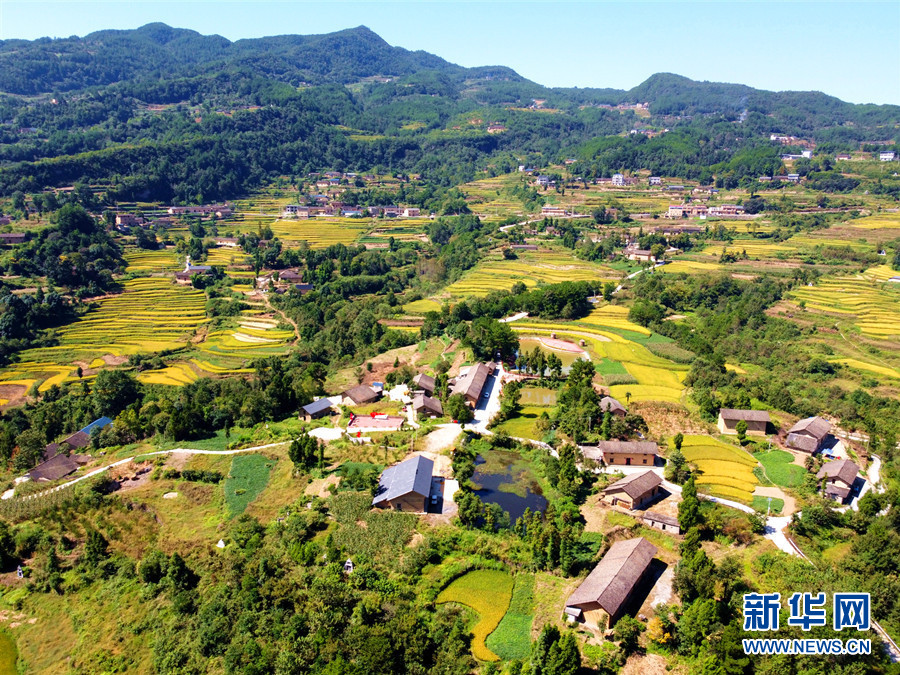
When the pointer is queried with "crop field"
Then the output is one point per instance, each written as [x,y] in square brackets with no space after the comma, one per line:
[320,232]
[654,378]
[226,256]
[727,471]
[691,266]
[612,316]
[488,592]
[874,308]
[869,367]
[253,337]
[248,477]
[489,196]
[551,267]
[422,306]
[780,469]
[175,375]
[153,314]
[163,260]
[512,637]
[401,229]
[879,221]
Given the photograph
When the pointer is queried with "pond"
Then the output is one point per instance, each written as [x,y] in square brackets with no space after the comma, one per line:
[528,344]
[506,479]
[538,396]
[8,654]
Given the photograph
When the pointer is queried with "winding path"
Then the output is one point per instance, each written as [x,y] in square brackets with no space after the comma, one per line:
[187,451]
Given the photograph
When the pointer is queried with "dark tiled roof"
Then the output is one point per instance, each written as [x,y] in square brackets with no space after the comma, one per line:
[361,394]
[613,579]
[471,384]
[611,404]
[77,440]
[746,415]
[317,406]
[631,447]
[816,427]
[805,443]
[425,382]
[842,469]
[410,476]
[53,469]
[635,485]
[432,405]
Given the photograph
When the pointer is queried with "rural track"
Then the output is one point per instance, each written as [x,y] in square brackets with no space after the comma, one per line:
[286,318]
[188,451]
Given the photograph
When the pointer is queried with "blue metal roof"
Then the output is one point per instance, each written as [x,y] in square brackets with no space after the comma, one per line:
[317,406]
[412,475]
[97,424]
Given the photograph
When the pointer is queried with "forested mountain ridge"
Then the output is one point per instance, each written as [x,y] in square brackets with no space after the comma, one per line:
[157,51]
[172,115]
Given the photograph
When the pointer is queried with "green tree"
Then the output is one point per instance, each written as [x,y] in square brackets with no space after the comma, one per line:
[303,451]
[113,391]
[96,549]
[741,428]
[676,467]
[457,409]
[555,654]
[689,508]
[627,631]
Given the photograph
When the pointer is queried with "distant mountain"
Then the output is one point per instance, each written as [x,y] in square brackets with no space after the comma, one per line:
[165,114]
[157,51]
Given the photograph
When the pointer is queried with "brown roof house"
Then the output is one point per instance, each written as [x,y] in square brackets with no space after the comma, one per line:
[623,453]
[634,491]
[757,421]
[602,597]
[57,467]
[839,478]
[425,406]
[807,435]
[405,486]
[608,403]
[425,383]
[472,383]
[360,395]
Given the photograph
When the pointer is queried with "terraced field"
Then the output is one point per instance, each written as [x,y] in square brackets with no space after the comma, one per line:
[163,260]
[862,301]
[532,267]
[321,232]
[227,256]
[153,314]
[726,471]
[254,336]
[691,266]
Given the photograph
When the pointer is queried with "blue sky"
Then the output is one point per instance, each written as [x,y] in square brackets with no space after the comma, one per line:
[847,49]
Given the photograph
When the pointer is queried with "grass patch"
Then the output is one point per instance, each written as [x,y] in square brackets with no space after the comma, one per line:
[512,637]
[488,592]
[247,479]
[780,469]
[761,503]
[614,518]
[523,424]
